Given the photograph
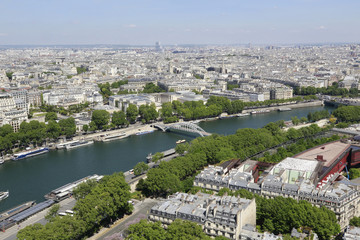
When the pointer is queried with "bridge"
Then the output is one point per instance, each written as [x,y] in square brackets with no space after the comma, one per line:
[183,126]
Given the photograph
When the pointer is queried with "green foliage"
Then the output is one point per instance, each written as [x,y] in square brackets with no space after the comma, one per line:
[100,118]
[177,230]
[157,156]
[355,221]
[354,173]
[318,115]
[333,90]
[281,215]
[119,119]
[67,126]
[104,201]
[148,113]
[50,116]
[215,149]
[83,189]
[131,113]
[347,114]
[181,148]
[52,212]
[140,168]
[9,75]
[232,86]
[152,88]
[81,70]
[295,120]
[118,83]
[297,147]
[86,128]
[343,125]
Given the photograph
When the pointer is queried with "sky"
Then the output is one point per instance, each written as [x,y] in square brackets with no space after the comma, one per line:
[143,22]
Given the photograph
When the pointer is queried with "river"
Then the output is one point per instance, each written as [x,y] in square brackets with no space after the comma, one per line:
[30,179]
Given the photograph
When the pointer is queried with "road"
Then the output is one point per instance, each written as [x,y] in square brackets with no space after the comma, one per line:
[116,231]
[10,234]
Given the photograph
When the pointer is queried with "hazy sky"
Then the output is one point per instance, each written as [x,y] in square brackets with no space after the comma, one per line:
[178,22]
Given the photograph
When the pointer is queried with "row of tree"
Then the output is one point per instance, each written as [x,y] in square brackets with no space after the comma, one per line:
[177,174]
[281,215]
[347,114]
[177,230]
[300,146]
[333,90]
[172,112]
[106,92]
[34,133]
[98,204]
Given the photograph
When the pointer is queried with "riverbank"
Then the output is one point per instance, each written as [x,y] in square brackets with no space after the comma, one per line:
[294,105]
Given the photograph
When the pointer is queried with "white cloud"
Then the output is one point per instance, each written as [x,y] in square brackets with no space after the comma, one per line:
[130,26]
[322,27]
[3,34]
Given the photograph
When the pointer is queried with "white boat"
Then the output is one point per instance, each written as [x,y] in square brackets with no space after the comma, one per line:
[108,138]
[63,145]
[243,114]
[284,109]
[180,141]
[260,112]
[78,144]
[31,153]
[4,195]
[144,132]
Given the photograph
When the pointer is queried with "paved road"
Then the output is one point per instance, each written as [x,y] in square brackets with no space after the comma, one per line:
[116,231]
[10,234]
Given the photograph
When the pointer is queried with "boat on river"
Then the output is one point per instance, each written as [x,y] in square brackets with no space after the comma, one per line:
[144,132]
[243,114]
[108,138]
[284,109]
[31,153]
[78,144]
[4,195]
[180,141]
[260,112]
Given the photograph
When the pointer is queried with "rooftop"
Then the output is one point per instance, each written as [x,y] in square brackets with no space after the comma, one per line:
[330,152]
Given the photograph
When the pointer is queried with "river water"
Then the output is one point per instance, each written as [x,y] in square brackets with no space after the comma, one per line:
[30,179]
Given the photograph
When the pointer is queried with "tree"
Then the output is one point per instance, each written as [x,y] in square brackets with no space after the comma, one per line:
[140,168]
[132,113]
[148,112]
[355,221]
[52,212]
[354,173]
[9,75]
[5,130]
[295,120]
[146,231]
[50,116]
[53,129]
[100,118]
[68,126]
[85,128]
[119,119]
[157,156]
[83,189]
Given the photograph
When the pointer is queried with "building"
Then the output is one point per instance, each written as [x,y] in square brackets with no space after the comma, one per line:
[313,175]
[352,233]
[10,112]
[219,216]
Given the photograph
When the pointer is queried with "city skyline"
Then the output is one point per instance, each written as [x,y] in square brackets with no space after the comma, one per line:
[144,22]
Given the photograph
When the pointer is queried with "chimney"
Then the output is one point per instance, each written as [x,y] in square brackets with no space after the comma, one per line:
[320,158]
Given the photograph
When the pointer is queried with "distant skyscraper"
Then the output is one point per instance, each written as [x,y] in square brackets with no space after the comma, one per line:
[158,47]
